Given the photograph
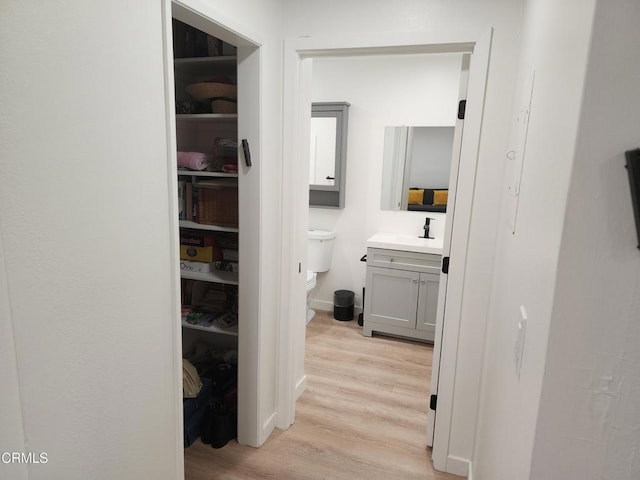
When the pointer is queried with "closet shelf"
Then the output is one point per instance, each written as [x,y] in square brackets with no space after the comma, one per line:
[204,65]
[207,117]
[196,173]
[218,276]
[201,226]
[231,331]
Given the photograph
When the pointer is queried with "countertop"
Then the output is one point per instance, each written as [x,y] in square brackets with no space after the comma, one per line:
[405,242]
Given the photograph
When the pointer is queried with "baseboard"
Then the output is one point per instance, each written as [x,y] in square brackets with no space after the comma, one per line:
[268,426]
[301,386]
[328,306]
[470,476]
[458,466]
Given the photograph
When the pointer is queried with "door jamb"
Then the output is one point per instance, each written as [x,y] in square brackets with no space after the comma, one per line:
[207,22]
[295,52]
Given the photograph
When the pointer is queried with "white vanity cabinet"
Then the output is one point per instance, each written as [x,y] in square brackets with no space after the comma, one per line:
[401,293]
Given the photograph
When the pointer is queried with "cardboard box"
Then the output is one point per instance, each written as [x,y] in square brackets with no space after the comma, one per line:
[200,254]
[226,266]
[189,266]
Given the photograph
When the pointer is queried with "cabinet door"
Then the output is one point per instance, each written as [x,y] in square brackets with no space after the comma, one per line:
[392,297]
[428,302]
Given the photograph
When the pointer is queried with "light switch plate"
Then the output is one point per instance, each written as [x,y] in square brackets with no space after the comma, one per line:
[518,350]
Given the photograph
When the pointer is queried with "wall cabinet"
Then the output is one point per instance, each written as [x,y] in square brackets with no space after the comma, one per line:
[401,293]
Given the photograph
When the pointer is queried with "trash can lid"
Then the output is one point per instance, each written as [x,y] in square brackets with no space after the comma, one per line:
[343,293]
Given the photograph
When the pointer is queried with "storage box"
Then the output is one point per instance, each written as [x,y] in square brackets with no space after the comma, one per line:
[200,254]
[226,266]
[218,206]
[196,239]
[201,267]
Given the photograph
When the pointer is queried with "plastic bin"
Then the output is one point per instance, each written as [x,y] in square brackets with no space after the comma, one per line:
[343,305]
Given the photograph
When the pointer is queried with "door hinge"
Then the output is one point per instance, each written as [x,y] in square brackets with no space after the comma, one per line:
[462,106]
[433,402]
[445,265]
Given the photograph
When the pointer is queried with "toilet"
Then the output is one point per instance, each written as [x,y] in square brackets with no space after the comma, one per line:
[319,252]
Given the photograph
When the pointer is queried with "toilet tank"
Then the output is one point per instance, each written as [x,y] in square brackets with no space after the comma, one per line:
[319,250]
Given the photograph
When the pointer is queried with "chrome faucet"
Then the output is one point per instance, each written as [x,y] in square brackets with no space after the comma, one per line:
[427,222]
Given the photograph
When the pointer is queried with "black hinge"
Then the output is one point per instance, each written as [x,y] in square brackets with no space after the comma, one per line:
[462,106]
[433,402]
[445,265]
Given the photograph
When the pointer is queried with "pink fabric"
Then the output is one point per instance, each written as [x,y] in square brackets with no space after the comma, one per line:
[193,160]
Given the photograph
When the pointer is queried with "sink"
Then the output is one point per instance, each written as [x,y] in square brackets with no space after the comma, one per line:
[406,242]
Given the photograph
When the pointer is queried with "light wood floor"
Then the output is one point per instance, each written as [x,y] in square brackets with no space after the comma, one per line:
[363,416]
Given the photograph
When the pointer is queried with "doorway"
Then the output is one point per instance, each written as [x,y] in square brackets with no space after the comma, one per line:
[239,286]
[299,55]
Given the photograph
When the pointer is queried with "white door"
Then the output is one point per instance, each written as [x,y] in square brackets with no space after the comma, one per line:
[463,177]
[446,247]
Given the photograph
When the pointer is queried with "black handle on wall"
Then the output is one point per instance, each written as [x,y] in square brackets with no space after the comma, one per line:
[247,152]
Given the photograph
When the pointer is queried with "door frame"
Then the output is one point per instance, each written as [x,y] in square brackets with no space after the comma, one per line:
[298,55]
[251,429]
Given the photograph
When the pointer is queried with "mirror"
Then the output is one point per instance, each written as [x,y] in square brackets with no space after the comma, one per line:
[322,157]
[416,167]
[327,155]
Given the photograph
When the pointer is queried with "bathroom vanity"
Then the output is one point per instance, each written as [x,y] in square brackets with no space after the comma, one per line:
[403,279]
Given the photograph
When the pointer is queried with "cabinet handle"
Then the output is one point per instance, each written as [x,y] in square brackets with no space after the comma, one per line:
[391,260]
[422,282]
[415,281]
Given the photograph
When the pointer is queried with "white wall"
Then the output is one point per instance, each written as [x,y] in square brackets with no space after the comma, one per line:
[88,259]
[588,419]
[305,17]
[84,208]
[555,45]
[11,428]
[383,91]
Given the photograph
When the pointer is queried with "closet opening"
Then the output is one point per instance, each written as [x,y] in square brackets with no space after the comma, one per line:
[206,95]
[213,80]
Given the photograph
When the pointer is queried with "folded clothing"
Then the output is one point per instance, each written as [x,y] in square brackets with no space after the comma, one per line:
[193,160]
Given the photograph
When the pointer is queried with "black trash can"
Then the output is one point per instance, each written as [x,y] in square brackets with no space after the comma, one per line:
[343,305]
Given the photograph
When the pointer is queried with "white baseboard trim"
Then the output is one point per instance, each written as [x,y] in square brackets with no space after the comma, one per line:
[268,427]
[458,466]
[301,386]
[470,476]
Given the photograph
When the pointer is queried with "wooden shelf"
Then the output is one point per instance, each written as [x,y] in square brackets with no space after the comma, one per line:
[200,226]
[232,331]
[204,65]
[196,173]
[217,276]
[207,117]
